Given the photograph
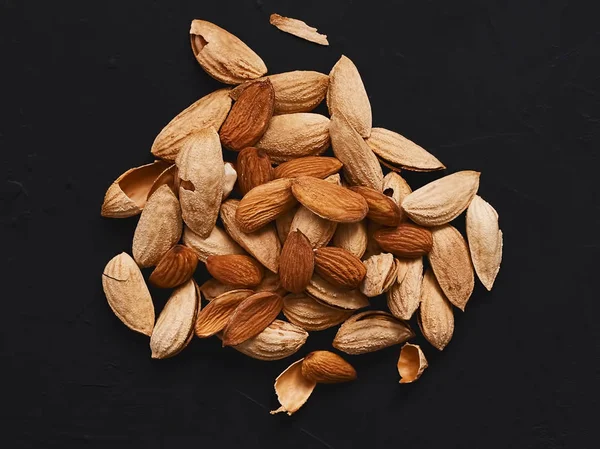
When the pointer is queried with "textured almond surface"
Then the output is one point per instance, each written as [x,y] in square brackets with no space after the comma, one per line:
[292,389]
[278,341]
[352,237]
[339,267]
[310,314]
[326,367]
[406,240]
[436,319]
[404,296]
[381,274]
[236,270]
[213,318]
[315,166]
[411,364]
[333,296]
[254,168]
[296,263]
[229,179]
[382,209]
[298,28]
[396,187]
[317,230]
[218,243]
[176,267]
[251,317]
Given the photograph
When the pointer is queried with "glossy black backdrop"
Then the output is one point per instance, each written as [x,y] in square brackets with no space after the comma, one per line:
[508,88]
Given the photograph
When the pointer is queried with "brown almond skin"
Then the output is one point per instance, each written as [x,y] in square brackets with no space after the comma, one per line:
[326,367]
[253,169]
[382,209]
[251,317]
[249,117]
[235,269]
[214,317]
[406,240]
[176,267]
[296,263]
[316,166]
[339,267]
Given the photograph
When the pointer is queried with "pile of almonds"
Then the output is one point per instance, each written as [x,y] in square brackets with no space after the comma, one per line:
[312,237]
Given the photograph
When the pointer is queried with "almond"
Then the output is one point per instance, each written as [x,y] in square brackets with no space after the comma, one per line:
[292,389]
[298,28]
[339,267]
[283,223]
[218,243]
[352,237]
[396,187]
[411,364]
[325,367]
[213,318]
[235,270]
[249,116]
[251,317]
[404,296]
[264,204]
[278,341]
[176,267]
[333,296]
[406,240]
[254,168]
[310,314]
[315,166]
[170,177]
[382,209]
[436,318]
[229,179]
[296,263]
[212,288]
[382,271]
[328,200]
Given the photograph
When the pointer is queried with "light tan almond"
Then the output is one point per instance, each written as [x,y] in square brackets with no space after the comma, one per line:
[175,323]
[297,91]
[209,111]
[298,28]
[352,237]
[361,166]
[291,136]
[396,187]
[293,389]
[382,209]
[158,229]
[278,341]
[229,179]
[213,288]
[127,294]
[296,263]
[234,269]
[200,163]
[213,318]
[403,266]
[485,240]
[339,267]
[411,364]
[326,367]
[371,331]
[249,116]
[315,166]
[309,314]
[222,55]
[406,240]
[263,244]
[319,231]
[254,168]
[436,319]
[347,96]
[333,296]
[450,260]
[251,317]
[218,243]
[404,296]
[328,200]
[127,195]
[382,271]
[264,204]
[176,267]
[402,152]
[283,223]
[442,200]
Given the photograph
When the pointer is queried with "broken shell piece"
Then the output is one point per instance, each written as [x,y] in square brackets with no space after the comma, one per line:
[411,364]
[292,389]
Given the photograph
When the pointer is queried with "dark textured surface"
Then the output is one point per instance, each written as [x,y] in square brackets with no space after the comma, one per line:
[508,88]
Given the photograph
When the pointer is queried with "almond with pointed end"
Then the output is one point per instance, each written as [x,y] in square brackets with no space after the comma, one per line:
[249,116]
[371,331]
[399,151]
[222,55]
[352,237]
[213,318]
[176,267]
[293,389]
[229,179]
[175,324]
[278,341]
[127,294]
[347,96]
[396,187]
[298,28]
[485,240]
[218,243]
[443,200]
[309,314]
[315,166]
[381,274]
[382,209]
[325,367]
[436,319]
[127,195]
[291,136]
[339,267]
[328,200]
[406,240]
[333,296]
[450,260]
[209,111]
[296,263]
[251,317]
[159,228]
[411,364]
[236,270]
[404,296]
[254,167]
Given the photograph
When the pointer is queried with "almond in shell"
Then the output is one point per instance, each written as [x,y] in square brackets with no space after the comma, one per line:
[404,296]
[218,243]
[436,319]
[328,294]
[382,271]
[278,341]
[352,237]
[309,314]
[326,367]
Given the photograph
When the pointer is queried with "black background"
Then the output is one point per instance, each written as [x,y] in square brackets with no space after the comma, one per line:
[511,89]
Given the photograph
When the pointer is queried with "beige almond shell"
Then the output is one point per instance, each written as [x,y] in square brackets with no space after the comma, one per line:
[158,229]
[222,55]
[311,315]
[451,262]
[436,318]
[218,243]
[396,187]
[292,389]
[200,165]
[382,271]
[321,290]
[347,96]
[352,237]
[127,195]
[411,363]
[485,240]
[212,289]
[279,340]
[170,177]
[127,294]
[404,296]
[298,28]
[229,179]
[175,323]
[290,136]
[209,111]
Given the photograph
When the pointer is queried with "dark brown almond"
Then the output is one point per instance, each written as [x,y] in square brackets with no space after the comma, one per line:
[406,240]
[235,269]
[339,267]
[176,267]
[213,318]
[253,169]
[296,263]
[382,209]
[316,166]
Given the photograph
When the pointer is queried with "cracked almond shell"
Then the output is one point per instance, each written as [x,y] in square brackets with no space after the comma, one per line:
[382,271]
[292,389]
[333,296]
[298,28]
[411,363]
[218,243]
[352,237]
[404,296]
[279,340]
